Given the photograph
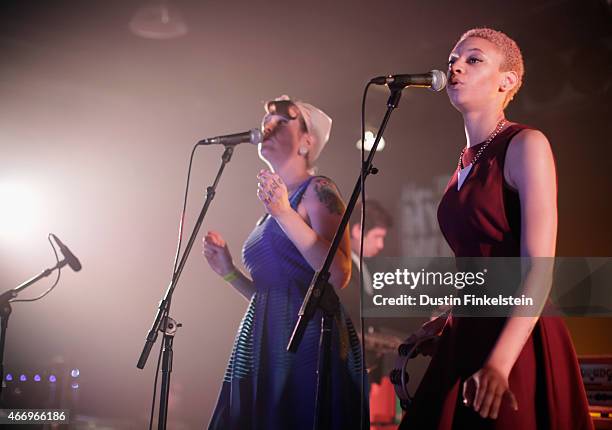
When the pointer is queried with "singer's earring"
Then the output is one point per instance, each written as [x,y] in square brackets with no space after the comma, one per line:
[303,150]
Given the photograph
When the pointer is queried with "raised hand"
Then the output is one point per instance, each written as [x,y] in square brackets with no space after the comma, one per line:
[217,254]
[272,192]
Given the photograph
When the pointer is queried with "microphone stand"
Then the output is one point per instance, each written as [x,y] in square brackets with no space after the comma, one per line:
[321,294]
[163,322]
[5,309]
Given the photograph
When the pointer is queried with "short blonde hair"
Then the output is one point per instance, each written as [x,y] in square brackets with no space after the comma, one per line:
[513,59]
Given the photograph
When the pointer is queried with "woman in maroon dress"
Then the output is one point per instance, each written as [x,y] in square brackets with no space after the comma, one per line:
[517,372]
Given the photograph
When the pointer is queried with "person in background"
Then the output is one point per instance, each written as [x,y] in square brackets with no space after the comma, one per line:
[382,335]
[377,223]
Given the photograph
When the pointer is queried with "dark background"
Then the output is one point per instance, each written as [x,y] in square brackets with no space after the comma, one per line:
[96,126]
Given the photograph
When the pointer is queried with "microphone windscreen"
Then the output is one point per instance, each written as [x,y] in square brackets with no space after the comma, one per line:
[256,136]
[438,81]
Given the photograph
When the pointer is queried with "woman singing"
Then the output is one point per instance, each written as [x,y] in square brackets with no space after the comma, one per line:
[265,387]
[518,372]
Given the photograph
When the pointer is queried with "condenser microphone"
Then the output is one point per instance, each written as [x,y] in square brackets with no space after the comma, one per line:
[434,80]
[252,136]
[70,258]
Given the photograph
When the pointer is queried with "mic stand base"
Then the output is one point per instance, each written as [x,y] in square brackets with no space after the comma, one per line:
[162,321]
[5,312]
[330,305]
[166,370]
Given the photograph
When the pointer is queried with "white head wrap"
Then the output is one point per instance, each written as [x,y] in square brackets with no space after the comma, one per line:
[317,122]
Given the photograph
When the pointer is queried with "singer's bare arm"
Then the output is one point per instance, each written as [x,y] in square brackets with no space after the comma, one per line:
[312,229]
[219,258]
[530,169]
[243,284]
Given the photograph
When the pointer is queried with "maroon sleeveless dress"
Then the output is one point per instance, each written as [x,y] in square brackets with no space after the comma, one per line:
[483,219]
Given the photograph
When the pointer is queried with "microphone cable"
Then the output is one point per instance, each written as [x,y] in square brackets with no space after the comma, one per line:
[176,258]
[364,375]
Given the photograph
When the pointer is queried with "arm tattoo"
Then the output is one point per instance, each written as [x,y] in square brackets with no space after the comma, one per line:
[328,196]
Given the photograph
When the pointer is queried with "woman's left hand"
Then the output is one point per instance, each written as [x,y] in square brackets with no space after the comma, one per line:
[272,191]
[485,390]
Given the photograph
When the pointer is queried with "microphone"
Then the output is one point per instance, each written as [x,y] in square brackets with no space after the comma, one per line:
[69,257]
[434,80]
[252,136]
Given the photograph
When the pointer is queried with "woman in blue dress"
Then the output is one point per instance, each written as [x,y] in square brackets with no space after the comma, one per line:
[265,387]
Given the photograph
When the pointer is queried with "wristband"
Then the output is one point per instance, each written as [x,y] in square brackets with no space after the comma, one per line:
[231,276]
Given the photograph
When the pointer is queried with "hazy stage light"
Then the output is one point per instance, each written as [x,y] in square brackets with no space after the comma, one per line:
[52,378]
[20,207]
[9,377]
[158,21]
[37,378]
[75,373]
[369,142]
[23,378]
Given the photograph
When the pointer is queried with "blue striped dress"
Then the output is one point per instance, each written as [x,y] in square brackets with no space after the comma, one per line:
[265,387]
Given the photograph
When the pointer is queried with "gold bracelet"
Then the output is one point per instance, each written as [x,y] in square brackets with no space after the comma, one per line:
[231,276]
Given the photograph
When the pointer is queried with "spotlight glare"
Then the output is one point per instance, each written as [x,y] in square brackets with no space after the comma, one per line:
[20,209]
[158,22]
[75,373]
[369,142]
[37,378]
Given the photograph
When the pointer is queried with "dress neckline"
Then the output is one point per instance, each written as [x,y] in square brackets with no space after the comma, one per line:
[478,145]
[299,187]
